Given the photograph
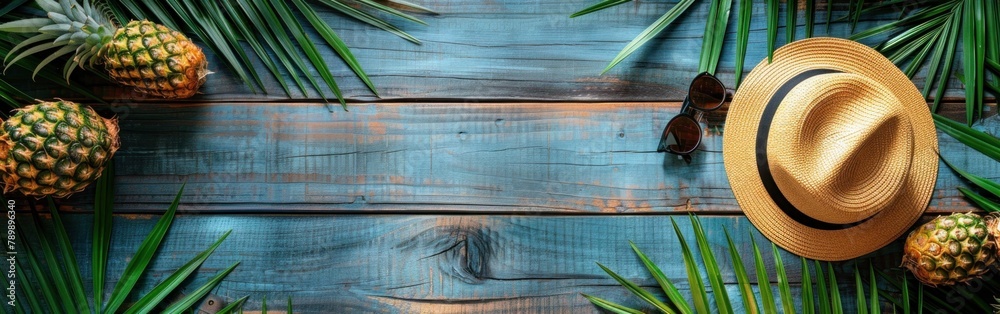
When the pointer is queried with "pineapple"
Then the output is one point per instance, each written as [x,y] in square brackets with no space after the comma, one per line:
[55,148]
[149,57]
[950,249]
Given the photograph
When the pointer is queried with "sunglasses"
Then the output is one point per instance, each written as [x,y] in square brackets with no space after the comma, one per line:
[682,135]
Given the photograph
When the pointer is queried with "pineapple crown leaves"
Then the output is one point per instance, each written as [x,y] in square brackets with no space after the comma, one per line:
[82,30]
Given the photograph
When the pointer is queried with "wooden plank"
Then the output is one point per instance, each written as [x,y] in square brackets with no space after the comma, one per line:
[520,50]
[433,264]
[482,157]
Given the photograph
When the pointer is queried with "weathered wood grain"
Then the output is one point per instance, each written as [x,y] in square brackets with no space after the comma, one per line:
[436,264]
[522,50]
[481,157]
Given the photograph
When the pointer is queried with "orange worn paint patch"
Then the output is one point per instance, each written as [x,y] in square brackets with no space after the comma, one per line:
[614,203]
[376,128]
[136,216]
[598,203]
[397,179]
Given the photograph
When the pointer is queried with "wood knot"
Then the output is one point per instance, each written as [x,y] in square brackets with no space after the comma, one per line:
[462,251]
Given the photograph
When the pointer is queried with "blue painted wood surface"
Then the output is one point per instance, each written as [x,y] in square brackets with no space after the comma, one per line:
[474,157]
[440,264]
[497,167]
[529,50]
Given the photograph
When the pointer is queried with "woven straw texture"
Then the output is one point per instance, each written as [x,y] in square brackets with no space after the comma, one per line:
[842,147]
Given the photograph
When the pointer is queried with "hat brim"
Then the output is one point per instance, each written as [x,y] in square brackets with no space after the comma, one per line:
[739,154]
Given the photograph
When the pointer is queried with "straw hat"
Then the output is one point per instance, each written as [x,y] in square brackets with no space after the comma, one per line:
[830,149]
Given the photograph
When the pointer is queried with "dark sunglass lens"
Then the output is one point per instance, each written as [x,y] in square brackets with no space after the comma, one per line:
[681,136]
[707,92]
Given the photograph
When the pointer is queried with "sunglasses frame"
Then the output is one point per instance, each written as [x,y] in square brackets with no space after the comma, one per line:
[694,114]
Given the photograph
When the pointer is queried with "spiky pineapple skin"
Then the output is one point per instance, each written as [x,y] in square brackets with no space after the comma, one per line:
[950,249]
[156,60]
[55,148]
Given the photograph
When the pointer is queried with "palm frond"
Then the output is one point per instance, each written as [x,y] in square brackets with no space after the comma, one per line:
[784,287]
[190,300]
[225,26]
[597,7]
[763,280]
[746,289]
[650,32]
[772,28]
[791,15]
[711,267]
[742,37]
[58,280]
[810,17]
[103,220]
[860,297]
[935,26]
[821,289]
[875,305]
[143,256]
[232,306]
[835,299]
[668,287]
[715,33]
[975,139]
[698,293]
[807,289]
[826,284]
[147,303]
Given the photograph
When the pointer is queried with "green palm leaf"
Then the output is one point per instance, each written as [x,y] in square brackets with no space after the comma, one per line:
[650,32]
[875,305]
[862,302]
[983,183]
[807,291]
[103,219]
[746,289]
[45,279]
[60,282]
[835,299]
[232,306]
[828,292]
[597,7]
[983,202]
[677,301]
[821,289]
[638,291]
[810,17]
[763,281]
[336,43]
[223,27]
[694,278]
[784,287]
[715,33]
[791,13]
[742,37]
[936,26]
[711,267]
[974,53]
[160,292]
[190,300]
[313,54]
[978,140]
[611,306]
[368,19]
[949,58]
[137,266]
[906,295]
[772,28]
